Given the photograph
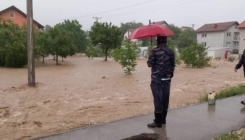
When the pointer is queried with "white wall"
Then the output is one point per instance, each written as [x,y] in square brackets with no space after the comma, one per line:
[211,54]
[230,39]
[217,52]
[242,41]
[127,34]
[213,39]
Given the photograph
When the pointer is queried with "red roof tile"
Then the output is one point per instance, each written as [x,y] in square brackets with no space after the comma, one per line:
[215,27]
[242,25]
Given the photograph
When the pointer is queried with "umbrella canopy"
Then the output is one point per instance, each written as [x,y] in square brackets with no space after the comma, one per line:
[151,30]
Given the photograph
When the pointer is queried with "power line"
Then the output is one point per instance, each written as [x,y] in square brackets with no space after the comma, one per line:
[168,5]
[115,9]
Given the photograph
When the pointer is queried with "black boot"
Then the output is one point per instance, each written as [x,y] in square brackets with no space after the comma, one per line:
[157,122]
[164,115]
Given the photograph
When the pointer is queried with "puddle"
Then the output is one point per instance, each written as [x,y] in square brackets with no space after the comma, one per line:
[144,137]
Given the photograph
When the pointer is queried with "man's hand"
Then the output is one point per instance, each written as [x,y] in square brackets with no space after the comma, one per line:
[235,70]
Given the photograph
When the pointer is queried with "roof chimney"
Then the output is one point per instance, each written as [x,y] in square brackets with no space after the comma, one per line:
[215,25]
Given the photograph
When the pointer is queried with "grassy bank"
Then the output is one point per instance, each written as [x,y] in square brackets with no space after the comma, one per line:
[229,92]
[237,135]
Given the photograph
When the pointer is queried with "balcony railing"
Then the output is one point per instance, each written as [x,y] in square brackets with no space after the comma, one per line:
[236,38]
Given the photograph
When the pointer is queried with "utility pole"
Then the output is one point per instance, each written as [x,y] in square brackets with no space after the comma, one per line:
[193,25]
[31,63]
[151,37]
[97,18]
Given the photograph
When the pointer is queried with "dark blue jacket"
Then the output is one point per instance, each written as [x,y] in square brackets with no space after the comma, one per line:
[162,62]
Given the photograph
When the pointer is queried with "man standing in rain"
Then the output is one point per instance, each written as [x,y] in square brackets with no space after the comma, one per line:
[238,66]
[162,63]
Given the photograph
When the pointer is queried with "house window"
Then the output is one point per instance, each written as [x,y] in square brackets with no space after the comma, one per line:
[12,15]
[204,35]
[236,44]
[228,33]
[204,43]
[228,44]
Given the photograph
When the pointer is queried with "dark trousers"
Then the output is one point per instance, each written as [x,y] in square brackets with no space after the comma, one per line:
[161,93]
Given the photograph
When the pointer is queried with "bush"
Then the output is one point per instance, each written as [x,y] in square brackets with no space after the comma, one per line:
[94,52]
[126,56]
[173,45]
[16,55]
[235,51]
[231,58]
[13,49]
[195,55]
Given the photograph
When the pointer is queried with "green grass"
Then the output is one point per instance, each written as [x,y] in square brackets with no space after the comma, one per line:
[232,91]
[230,136]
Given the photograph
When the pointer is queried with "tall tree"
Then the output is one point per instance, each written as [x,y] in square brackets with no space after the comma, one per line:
[13,44]
[42,43]
[186,38]
[62,42]
[177,31]
[79,37]
[106,35]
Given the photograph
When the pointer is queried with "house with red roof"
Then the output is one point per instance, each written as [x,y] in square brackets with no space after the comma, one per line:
[17,16]
[241,27]
[219,37]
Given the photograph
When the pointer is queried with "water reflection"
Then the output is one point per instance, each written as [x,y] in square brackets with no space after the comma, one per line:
[159,134]
[211,109]
[242,111]
[144,136]
[162,133]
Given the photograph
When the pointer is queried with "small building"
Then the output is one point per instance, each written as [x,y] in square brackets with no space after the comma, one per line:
[17,16]
[183,28]
[128,33]
[164,23]
[241,28]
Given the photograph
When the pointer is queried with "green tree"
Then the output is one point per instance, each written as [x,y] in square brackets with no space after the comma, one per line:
[62,42]
[79,37]
[13,44]
[195,55]
[107,35]
[173,45]
[42,44]
[186,38]
[126,56]
[177,31]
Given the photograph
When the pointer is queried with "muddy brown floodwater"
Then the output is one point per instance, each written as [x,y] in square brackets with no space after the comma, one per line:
[82,92]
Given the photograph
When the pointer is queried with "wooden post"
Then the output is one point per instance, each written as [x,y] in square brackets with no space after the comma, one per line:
[31,63]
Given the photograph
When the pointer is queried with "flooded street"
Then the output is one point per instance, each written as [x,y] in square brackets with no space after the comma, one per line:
[83,92]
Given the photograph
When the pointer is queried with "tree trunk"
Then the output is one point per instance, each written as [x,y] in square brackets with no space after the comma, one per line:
[106,54]
[43,58]
[57,62]
[62,59]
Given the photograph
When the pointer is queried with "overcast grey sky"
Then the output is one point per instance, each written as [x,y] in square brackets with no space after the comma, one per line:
[178,12]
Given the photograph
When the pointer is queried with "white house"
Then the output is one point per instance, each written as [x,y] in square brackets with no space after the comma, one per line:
[127,34]
[219,35]
[164,23]
[241,27]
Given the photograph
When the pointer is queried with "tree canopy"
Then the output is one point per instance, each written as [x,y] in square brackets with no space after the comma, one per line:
[106,35]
